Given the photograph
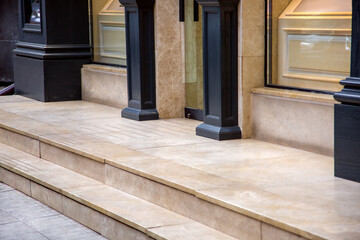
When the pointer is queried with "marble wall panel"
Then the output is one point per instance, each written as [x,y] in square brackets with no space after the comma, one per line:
[252,76]
[105,85]
[169,58]
[296,123]
[251,57]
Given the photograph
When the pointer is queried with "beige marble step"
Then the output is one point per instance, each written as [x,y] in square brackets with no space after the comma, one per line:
[162,182]
[107,210]
[247,189]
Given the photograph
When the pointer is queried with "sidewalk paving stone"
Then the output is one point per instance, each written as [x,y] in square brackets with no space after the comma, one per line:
[22,217]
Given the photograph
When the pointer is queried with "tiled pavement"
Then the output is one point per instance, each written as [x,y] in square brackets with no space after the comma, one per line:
[23,218]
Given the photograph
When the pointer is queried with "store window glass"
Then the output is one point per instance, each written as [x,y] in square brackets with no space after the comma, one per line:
[108,32]
[308,43]
[32,12]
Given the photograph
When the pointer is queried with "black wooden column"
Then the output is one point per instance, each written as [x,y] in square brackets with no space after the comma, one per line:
[140,53]
[220,70]
[347,114]
[53,46]
[9,35]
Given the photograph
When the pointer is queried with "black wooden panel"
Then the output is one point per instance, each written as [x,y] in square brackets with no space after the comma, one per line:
[229,93]
[63,79]
[29,77]
[49,57]
[9,35]
[347,142]
[48,80]
[347,114]
[67,22]
[134,59]
[212,66]
[147,59]
[355,44]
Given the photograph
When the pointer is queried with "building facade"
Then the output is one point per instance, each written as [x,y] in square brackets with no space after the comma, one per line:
[247,69]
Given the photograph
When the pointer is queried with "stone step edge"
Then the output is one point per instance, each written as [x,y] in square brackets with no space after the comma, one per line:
[218,202]
[84,202]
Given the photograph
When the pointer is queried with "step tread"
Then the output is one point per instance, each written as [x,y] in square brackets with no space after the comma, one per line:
[144,216]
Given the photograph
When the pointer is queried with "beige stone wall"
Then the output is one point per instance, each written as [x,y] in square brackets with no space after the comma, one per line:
[169,59]
[251,56]
[105,85]
[294,121]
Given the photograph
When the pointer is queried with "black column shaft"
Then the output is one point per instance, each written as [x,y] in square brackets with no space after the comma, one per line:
[140,53]
[347,114]
[220,70]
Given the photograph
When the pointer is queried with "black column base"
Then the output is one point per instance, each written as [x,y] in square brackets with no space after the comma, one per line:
[140,115]
[218,133]
[48,80]
[347,142]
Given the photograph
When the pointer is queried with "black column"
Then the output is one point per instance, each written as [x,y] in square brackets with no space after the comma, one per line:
[53,46]
[347,114]
[220,70]
[9,35]
[140,53]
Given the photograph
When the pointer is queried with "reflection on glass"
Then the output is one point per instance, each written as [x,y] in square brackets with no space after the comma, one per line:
[324,6]
[108,28]
[35,15]
[193,57]
[32,11]
[309,43]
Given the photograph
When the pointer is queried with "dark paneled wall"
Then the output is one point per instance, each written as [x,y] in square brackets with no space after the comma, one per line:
[9,35]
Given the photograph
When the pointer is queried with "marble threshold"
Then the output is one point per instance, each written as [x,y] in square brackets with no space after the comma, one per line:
[287,188]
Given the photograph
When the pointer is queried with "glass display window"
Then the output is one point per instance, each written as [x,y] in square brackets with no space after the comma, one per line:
[31,15]
[308,43]
[108,32]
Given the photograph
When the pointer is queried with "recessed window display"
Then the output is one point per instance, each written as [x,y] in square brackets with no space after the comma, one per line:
[108,32]
[32,11]
[308,43]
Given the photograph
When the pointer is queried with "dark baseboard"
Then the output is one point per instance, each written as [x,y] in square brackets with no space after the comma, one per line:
[195,114]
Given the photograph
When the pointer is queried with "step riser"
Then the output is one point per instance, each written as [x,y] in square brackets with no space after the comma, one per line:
[188,205]
[72,161]
[21,142]
[94,220]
